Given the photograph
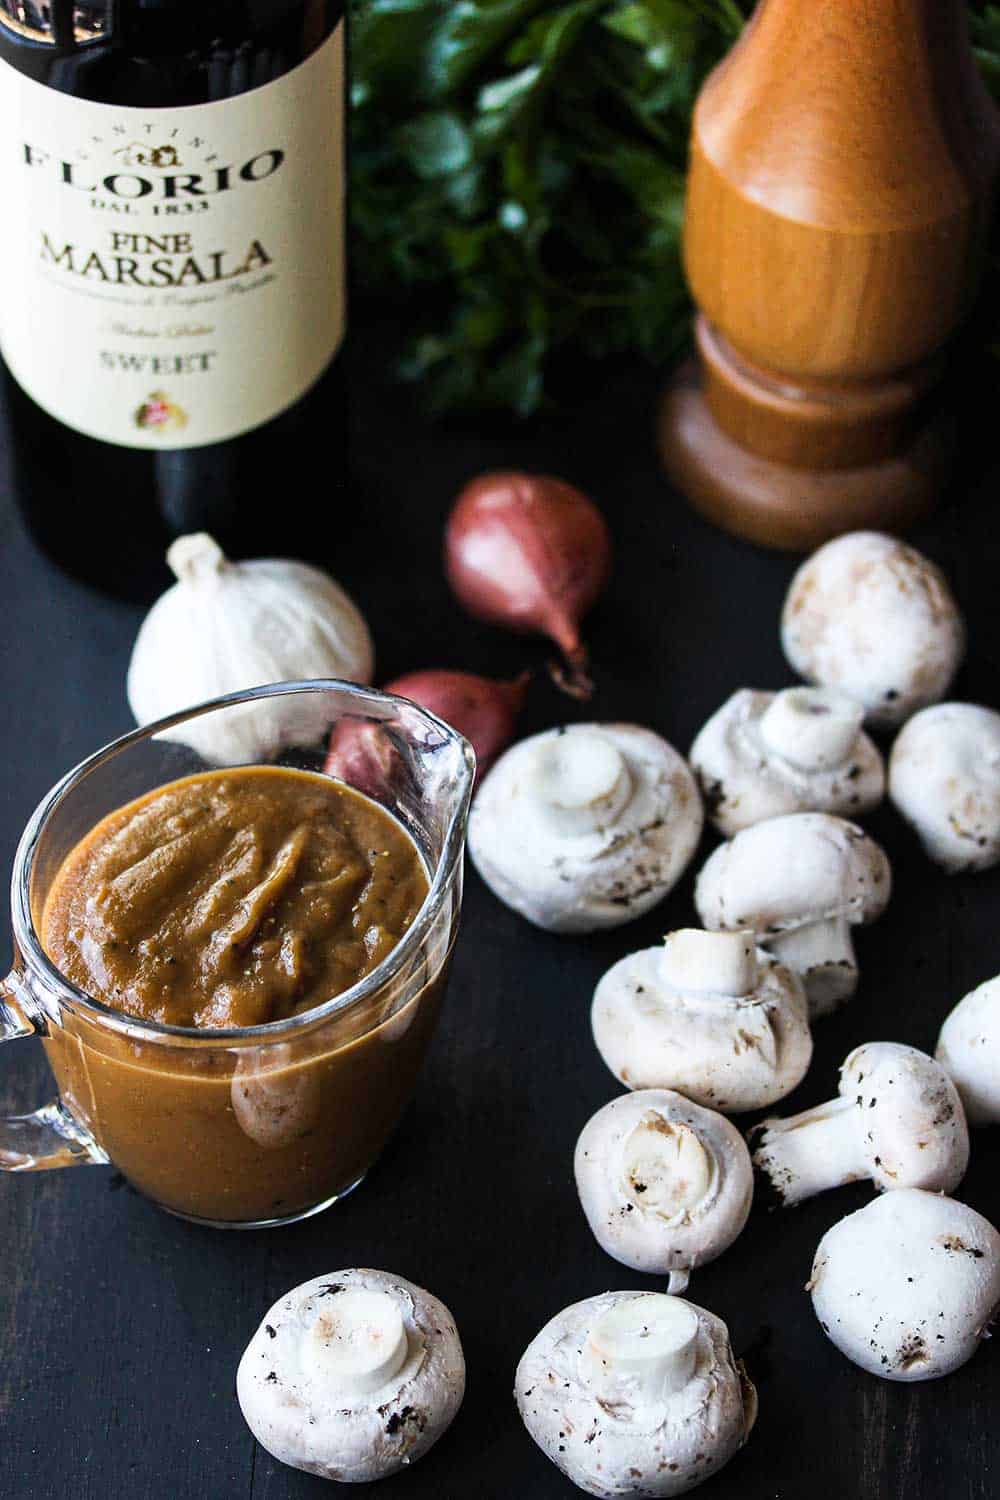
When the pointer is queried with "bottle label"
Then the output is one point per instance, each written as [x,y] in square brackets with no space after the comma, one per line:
[173,277]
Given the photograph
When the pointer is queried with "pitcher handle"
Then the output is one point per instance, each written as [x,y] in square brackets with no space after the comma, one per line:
[51,1136]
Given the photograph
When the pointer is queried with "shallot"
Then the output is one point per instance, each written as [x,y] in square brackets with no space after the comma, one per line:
[482,709]
[533,553]
[362,754]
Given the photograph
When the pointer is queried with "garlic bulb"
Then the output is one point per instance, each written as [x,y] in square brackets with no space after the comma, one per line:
[223,627]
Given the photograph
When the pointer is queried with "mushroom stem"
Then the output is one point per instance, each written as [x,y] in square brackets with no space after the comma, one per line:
[666,1168]
[641,1349]
[823,954]
[719,963]
[357,1341]
[818,1149]
[813,729]
[581,782]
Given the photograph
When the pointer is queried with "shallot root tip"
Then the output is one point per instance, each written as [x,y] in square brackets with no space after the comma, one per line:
[572,676]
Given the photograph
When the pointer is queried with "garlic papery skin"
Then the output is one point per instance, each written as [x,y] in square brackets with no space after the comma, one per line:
[224,627]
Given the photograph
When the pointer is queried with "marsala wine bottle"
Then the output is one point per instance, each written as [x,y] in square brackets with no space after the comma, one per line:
[172,303]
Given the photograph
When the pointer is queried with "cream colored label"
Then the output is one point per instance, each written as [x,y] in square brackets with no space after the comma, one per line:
[173,277]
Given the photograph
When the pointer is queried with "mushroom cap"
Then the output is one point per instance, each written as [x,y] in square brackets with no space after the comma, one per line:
[659,1450]
[681,1217]
[292,1412]
[875,618]
[944,778]
[730,1053]
[743,781]
[585,881]
[914,1130]
[969,1047]
[791,872]
[907,1286]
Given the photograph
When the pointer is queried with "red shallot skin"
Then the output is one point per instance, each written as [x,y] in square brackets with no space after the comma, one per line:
[483,710]
[533,553]
[362,754]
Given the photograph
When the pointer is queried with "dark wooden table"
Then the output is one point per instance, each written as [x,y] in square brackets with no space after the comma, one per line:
[121,1328]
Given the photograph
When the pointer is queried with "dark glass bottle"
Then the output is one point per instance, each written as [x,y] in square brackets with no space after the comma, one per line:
[148,326]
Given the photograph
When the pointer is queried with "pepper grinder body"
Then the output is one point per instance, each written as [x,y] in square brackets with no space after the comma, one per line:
[843,163]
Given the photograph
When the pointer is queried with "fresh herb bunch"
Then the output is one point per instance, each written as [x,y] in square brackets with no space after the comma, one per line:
[519,165]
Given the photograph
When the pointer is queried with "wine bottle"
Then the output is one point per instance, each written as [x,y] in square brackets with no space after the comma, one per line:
[172,271]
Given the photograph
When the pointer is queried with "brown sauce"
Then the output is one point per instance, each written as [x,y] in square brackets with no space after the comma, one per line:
[233,898]
[236,898]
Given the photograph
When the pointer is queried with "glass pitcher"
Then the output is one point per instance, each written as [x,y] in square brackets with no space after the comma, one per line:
[259,1125]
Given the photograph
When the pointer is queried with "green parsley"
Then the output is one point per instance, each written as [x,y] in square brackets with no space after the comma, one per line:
[520,164]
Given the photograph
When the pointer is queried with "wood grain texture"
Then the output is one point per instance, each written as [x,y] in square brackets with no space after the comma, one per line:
[121,1328]
[777,504]
[843,159]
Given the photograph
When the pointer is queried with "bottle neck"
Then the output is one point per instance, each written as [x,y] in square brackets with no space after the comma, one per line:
[61,23]
[154,53]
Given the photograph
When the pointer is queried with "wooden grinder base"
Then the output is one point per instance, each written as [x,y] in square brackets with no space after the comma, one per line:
[792,466]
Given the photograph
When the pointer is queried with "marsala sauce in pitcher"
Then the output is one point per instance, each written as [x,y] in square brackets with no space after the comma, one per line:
[238,898]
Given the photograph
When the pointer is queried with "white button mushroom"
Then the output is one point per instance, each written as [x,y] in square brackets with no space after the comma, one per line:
[665,1184]
[897,1120]
[352,1376]
[969,1047]
[585,827]
[944,777]
[907,1286]
[707,1014]
[801,750]
[801,882]
[875,618]
[635,1393]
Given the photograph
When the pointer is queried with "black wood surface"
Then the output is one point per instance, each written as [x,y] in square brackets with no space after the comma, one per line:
[121,1328]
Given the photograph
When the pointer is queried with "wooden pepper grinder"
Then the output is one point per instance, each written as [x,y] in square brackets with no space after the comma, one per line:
[843,158]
